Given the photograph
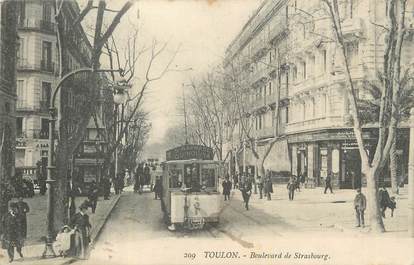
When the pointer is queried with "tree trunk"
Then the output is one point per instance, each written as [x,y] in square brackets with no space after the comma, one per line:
[260,167]
[393,168]
[374,213]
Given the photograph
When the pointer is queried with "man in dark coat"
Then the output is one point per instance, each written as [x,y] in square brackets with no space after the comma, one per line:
[268,187]
[385,201]
[106,186]
[80,221]
[22,210]
[158,188]
[246,189]
[93,196]
[291,186]
[360,204]
[328,184]
[12,237]
[226,188]
[235,181]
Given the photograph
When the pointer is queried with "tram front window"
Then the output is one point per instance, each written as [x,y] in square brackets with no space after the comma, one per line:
[192,177]
[175,178]
[208,177]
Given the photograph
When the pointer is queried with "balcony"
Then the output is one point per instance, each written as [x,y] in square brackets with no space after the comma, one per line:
[277,29]
[23,105]
[316,123]
[21,134]
[37,24]
[41,134]
[47,66]
[265,133]
[353,26]
[23,64]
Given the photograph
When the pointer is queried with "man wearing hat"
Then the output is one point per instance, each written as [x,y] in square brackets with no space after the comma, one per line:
[360,204]
[12,237]
[80,222]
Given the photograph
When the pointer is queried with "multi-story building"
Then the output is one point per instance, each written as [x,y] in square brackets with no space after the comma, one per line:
[8,45]
[288,47]
[37,75]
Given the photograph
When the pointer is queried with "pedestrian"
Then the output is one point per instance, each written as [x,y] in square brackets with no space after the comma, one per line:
[80,222]
[235,181]
[138,174]
[328,184]
[127,177]
[93,196]
[260,186]
[291,186]
[121,179]
[385,201]
[268,187]
[246,189]
[158,188]
[12,236]
[226,188]
[106,186]
[360,204]
[117,183]
[22,210]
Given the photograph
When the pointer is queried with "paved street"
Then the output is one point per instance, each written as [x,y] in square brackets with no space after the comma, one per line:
[135,233]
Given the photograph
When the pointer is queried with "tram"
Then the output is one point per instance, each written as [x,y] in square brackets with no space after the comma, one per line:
[190,196]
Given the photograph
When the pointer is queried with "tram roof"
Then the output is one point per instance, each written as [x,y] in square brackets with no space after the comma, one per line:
[192,161]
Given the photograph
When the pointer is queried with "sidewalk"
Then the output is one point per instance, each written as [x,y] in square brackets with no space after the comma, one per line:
[312,211]
[34,246]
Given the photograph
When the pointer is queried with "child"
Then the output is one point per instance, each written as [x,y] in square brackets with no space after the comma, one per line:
[62,243]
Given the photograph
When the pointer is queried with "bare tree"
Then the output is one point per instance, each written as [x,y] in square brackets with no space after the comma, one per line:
[72,125]
[390,99]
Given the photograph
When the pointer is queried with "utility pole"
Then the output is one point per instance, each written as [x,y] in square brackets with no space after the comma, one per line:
[411,177]
[185,118]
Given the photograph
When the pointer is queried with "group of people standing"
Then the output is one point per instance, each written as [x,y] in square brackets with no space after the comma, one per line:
[142,177]
[244,182]
[14,224]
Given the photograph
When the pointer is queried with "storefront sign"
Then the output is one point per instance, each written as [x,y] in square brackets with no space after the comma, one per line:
[190,152]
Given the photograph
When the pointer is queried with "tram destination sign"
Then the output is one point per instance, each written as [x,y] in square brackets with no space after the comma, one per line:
[190,152]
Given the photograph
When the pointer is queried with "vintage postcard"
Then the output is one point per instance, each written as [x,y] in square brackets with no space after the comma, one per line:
[207,132]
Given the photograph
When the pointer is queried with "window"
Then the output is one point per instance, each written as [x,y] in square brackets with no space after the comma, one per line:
[20,90]
[208,177]
[21,9]
[46,54]
[303,70]
[19,126]
[324,60]
[44,123]
[351,51]
[46,93]
[47,11]
[20,51]
[311,66]
[294,73]
[287,115]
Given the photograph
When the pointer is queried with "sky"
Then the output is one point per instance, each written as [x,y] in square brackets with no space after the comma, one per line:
[202,29]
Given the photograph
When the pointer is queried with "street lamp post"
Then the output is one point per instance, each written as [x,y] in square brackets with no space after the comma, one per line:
[120,97]
[49,251]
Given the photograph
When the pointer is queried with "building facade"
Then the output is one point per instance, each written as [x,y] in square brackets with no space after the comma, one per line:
[37,74]
[288,48]
[8,45]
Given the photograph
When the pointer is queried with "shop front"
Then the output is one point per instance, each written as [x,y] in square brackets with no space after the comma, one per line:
[330,152]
